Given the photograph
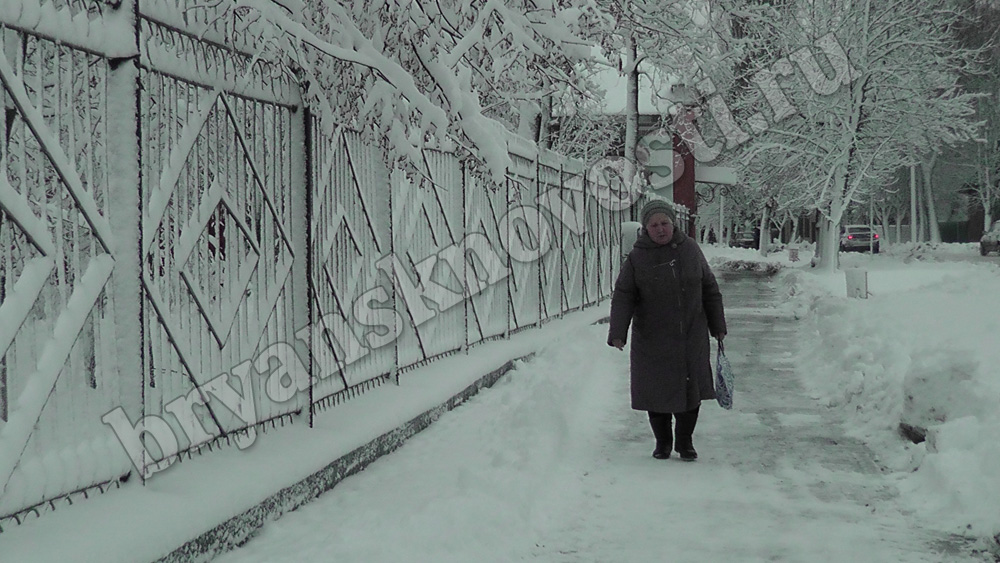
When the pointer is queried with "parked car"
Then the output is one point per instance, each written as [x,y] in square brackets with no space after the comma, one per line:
[991,240]
[744,239]
[859,237]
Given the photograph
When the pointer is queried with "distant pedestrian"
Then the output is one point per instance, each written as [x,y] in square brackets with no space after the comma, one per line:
[711,237]
[669,295]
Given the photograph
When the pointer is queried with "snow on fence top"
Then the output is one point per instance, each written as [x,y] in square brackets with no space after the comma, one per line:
[73,23]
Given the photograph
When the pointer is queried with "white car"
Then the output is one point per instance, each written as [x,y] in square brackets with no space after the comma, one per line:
[859,237]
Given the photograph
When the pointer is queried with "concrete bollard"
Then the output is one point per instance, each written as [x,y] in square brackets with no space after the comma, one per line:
[857,283]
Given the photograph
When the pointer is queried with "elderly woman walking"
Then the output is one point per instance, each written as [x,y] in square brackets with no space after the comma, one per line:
[668,293]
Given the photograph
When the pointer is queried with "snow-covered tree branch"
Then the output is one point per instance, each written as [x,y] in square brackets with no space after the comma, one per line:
[419,74]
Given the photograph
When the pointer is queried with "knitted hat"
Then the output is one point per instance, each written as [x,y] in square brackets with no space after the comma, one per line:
[657,206]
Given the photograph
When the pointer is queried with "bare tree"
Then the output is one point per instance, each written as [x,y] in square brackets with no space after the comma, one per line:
[981,30]
[891,203]
[884,88]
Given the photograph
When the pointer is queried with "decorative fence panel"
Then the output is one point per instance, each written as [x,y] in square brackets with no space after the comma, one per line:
[61,317]
[442,266]
[488,314]
[217,252]
[523,232]
[550,234]
[605,235]
[573,217]
[597,220]
[428,230]
[350,235]
[177,231]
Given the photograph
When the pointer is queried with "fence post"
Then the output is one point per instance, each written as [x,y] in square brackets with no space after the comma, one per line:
[585,225]
[467,300]
[393,285]
[125,186]
[510,263]
[302,269]
[563,296]
[538,229]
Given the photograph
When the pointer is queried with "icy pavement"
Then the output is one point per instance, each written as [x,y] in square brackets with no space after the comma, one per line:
[552,465]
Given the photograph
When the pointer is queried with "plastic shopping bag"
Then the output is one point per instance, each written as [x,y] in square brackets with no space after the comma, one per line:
[723,379]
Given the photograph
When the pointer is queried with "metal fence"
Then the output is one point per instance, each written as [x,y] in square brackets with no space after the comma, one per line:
[189,255]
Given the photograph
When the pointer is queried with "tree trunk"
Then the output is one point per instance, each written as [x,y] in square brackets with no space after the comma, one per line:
[921,213]
[722,218]
[913,203]
[544,119]
[988,193]
[631,108]
[765,231]
[900,215]
[883,214]
[828,245]
[934,230]
[527,125]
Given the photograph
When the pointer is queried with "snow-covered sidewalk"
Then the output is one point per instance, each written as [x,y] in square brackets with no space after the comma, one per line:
[552,465]
[140,523]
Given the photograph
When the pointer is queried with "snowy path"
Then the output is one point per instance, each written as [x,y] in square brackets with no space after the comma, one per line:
[552,465]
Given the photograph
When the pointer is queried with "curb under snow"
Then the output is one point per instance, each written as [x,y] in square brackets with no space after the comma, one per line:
[239,529]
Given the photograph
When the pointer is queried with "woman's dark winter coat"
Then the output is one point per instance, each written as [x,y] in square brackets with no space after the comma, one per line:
[671,298]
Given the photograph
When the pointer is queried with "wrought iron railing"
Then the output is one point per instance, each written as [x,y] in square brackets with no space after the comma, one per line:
[189,256]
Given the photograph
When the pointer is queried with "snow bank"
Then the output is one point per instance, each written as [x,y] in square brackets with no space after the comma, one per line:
[920,350]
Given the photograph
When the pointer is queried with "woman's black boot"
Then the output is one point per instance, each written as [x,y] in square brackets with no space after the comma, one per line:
[660,423]
[686,422]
